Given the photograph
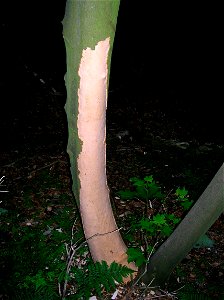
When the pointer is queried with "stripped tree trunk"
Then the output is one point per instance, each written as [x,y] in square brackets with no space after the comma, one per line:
[89,29]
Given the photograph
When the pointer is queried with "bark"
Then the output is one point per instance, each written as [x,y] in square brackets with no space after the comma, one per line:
[200,218]
[89,29]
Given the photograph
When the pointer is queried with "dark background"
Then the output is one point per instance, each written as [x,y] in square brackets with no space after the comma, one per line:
[168,53]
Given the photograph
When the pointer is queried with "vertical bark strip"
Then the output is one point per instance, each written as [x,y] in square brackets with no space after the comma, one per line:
[94,199]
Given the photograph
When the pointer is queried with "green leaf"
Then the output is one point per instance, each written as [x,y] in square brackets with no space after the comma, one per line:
[173,218]
[149,226]
[146,224]
[167,230]
[139,182]
[159,219]
[141,192]
[154,191]
[181,193]
[94,277]
[51,275]
[134,179]
[40,282]
[186,204]
[127,194]
[148,179]
[136,255]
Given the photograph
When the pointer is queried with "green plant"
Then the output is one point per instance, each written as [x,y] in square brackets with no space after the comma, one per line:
[182,196]
[144,189]
[92,278]
[44,254]
[148,189]
[157,225]
[161,225]
[136,255]
[43,284]
[34,252]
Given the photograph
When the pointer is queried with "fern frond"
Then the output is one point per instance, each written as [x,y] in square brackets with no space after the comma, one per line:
[95,277]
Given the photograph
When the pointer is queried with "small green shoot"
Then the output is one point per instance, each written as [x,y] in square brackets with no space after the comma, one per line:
[182,196]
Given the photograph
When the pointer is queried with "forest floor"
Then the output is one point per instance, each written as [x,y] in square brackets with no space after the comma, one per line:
[153,141]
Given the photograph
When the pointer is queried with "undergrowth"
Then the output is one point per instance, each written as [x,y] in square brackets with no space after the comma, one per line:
[45,256]
[155,222]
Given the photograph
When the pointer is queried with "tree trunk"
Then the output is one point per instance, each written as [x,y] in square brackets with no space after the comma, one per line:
[89,29]
[200,218]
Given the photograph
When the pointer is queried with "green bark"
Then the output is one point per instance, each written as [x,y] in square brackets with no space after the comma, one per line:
[200,218]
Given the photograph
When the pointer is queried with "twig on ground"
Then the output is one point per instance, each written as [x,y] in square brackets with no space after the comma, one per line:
[1,181]
[48,165]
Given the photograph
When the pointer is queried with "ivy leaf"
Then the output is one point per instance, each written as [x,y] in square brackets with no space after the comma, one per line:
[136,255]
